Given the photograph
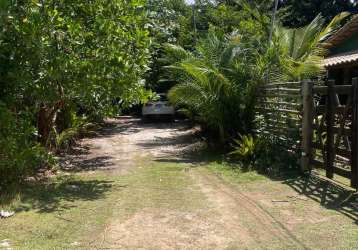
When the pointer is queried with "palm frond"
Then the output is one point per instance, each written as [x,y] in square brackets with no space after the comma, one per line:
[175,54]
[188,94]
[303,48]
[213,82]
[332,26]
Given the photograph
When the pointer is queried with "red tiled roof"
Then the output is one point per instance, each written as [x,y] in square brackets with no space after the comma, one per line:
[339,59]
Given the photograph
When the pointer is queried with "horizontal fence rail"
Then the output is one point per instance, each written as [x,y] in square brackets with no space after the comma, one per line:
[279,115]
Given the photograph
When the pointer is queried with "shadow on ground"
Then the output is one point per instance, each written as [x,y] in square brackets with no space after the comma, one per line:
[129,125]
[327,193]
[197,155]
[78,164]
[62,194]
[79,159]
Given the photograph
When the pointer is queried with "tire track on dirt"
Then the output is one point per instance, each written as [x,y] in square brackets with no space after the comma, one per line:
[252,213]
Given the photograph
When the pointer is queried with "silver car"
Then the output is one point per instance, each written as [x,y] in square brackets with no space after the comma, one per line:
[158,109]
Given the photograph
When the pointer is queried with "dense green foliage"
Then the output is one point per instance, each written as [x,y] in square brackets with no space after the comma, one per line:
[60,60]
[301,50]
[166,21]
[298,13]
[216,83]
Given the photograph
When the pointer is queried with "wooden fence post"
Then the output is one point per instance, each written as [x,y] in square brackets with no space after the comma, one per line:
[330,113]
[354,151]
[307,125]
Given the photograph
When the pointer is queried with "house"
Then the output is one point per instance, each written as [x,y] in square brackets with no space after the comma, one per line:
[342,60]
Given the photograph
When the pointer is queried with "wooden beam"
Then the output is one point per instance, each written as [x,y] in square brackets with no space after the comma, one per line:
[354,156]
[330,133]
[307,121]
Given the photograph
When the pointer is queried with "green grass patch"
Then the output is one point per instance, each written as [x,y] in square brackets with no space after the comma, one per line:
[56,213]
[234,173]
[160,185]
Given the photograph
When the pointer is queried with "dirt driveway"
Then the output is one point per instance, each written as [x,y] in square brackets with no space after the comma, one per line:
[124,140]
[177,203]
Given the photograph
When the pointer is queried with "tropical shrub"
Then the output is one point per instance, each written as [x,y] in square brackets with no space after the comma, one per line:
[80,127]
[301,50]
[245,149]
[216,82]
[298,54]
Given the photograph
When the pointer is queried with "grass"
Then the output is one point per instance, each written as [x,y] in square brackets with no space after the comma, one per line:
[234,173]
[329,223]
[58,212]
[69,210]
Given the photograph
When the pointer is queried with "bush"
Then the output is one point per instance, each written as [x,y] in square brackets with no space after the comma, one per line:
[264,154]
[273,157]
[215,83]
[20,155]
[245,148]
[79,128]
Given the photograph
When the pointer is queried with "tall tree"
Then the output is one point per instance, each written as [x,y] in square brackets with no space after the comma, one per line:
[298,13]
[168,21]
[70,51]
[58,55]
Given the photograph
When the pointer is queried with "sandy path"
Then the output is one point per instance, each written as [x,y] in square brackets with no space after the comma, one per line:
[126,139]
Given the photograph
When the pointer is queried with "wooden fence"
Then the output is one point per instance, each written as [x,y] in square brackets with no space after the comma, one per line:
[279,114]
[317,120]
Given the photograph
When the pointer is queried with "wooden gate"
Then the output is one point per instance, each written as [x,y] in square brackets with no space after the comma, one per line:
[325,117]
[329,129]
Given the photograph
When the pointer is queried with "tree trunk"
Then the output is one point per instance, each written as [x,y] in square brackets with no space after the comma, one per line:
[45,122]
[43,125]
[63,119]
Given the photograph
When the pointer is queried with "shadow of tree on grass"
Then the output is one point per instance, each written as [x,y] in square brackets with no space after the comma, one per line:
[62,194]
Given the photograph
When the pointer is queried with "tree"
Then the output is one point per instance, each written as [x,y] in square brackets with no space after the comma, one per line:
[166,25]
[219,17]
[70,52]
[301,50]
[298,13]
[65,58]
[215,83]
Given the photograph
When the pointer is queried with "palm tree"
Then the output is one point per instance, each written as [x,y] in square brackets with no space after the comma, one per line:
[217,81]
[302,49]
[212,82]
